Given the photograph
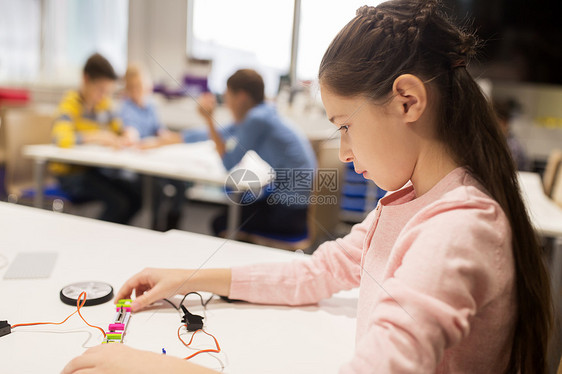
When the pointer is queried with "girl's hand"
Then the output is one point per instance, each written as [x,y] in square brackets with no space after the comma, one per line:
[118,358]
[151,285]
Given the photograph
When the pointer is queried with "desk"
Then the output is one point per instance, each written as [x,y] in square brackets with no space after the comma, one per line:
[546,216]
[254,338]
[198,162]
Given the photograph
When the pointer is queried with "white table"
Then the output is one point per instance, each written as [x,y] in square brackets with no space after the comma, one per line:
[254,339]
[198,162]
[546,216]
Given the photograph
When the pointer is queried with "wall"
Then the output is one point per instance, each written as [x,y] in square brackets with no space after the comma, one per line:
[539,127]
[159,29]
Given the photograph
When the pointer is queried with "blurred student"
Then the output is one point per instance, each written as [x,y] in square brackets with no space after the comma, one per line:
[257,126]
[139,112]
[85,116]
[503,110]
[137,109]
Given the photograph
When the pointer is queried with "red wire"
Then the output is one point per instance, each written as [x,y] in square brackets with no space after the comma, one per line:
[79,305]
[217,350]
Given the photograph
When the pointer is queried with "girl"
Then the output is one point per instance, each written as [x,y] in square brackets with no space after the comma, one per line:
[449,268]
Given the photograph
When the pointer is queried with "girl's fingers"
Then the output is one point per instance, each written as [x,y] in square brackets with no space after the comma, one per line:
[79,363]
[147,298]
[132,283]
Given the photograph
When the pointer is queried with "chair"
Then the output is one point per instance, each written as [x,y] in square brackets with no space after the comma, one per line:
[286,242]
[325,216]
[552,171]
[554,177]
[20,127]
[5,103]
[322,213]
[556,193]
[359,196]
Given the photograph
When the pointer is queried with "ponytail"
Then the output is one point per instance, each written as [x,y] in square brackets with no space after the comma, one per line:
[475,136]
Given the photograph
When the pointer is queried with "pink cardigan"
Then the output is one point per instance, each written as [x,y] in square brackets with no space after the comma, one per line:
[435,277]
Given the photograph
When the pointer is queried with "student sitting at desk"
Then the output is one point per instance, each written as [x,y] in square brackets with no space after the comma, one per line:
[449,269]
[86,117]
[258,127]
[138,112]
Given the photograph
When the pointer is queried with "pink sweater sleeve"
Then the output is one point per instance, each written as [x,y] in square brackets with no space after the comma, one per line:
[451,261]
[333,267]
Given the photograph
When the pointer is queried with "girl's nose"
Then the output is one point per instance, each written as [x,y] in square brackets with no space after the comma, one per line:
[345,154]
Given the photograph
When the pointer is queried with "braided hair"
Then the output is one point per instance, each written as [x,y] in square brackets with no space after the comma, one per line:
[416,37]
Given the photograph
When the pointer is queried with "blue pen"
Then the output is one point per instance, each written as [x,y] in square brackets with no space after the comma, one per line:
[163,351]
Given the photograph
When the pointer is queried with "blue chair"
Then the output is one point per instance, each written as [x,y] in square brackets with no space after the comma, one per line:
[359,196]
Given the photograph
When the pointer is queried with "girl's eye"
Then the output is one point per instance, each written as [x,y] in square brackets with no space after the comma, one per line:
[344,127]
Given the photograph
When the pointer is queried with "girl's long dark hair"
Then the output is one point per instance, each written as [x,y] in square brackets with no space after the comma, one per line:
[415,36]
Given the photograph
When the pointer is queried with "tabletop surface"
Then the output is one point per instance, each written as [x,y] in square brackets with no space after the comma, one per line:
[545,215]
[195,162]
[254,338]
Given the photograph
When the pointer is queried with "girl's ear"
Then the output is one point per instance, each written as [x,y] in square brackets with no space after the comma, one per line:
[410,97]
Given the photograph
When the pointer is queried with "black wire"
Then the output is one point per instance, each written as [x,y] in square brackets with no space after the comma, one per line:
[208,300]
[193,293]
[203,303]
[172,304]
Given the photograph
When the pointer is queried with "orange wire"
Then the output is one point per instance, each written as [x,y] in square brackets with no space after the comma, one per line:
[79,305]
[217,350]
[80,314]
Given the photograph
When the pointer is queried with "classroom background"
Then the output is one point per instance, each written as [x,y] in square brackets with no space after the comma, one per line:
[189,47]
[193,46]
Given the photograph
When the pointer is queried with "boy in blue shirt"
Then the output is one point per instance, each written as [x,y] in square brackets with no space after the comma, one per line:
[138,112]
[258,127]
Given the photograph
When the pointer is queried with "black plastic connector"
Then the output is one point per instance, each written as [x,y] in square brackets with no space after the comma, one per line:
[229,300]
[193,322]
[5,328]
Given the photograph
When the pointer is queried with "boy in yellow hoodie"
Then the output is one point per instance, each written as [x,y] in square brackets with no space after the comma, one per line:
[86,117]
